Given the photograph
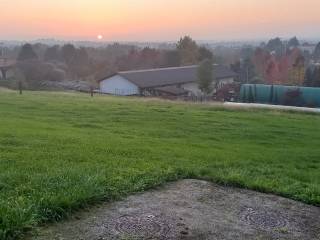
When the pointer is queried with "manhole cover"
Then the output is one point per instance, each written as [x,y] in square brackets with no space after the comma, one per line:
[264,219]
[142,226]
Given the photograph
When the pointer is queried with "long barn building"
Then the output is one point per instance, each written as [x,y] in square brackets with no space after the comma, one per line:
[173,81]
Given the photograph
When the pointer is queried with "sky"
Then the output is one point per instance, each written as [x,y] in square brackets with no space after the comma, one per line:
[158,20]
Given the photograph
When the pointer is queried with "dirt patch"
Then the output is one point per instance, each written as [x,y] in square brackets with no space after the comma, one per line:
[192,209]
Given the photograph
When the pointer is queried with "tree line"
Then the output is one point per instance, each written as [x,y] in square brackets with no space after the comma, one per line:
[274,62]
[278,62]
[40,63]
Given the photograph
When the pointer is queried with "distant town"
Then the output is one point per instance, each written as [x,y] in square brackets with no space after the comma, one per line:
[78,65]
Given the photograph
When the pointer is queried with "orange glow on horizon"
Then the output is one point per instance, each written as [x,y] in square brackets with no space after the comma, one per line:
[158,19]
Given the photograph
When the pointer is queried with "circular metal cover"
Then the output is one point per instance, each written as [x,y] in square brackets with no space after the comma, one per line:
[263,218]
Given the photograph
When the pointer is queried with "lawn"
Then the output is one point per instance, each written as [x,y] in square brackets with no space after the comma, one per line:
[62,151]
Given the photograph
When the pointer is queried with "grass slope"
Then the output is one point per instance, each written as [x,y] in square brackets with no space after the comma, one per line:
[61,151]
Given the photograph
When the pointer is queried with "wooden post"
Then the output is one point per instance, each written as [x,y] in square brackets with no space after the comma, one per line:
[20,87]
[91,91]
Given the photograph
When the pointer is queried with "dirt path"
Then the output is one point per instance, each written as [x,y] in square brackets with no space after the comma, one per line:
[192,209]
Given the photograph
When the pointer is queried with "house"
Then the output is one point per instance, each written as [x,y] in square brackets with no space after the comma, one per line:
[172,81]
[5,66]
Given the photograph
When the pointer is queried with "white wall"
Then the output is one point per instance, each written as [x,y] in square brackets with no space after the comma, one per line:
[118,85]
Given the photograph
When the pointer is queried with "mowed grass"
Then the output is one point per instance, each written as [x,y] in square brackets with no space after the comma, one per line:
[62,151]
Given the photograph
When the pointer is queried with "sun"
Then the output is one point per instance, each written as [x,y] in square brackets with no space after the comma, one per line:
[99,37]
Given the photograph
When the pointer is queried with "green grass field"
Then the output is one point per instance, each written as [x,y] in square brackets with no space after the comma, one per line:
[62,151]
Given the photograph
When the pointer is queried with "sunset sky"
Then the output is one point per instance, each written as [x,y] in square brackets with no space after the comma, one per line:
[157,20]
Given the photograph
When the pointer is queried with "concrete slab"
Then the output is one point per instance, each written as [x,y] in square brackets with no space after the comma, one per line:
[192,209]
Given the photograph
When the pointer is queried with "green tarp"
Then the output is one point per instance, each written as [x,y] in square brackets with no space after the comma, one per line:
[280,95]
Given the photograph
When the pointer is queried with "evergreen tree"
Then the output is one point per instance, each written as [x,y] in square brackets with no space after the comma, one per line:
[205,53]
[68,53]
[293,42]
[172,58]
[52,54]
[27,53]
[275,45]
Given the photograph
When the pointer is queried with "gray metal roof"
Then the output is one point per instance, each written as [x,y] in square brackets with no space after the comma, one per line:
[171,76]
